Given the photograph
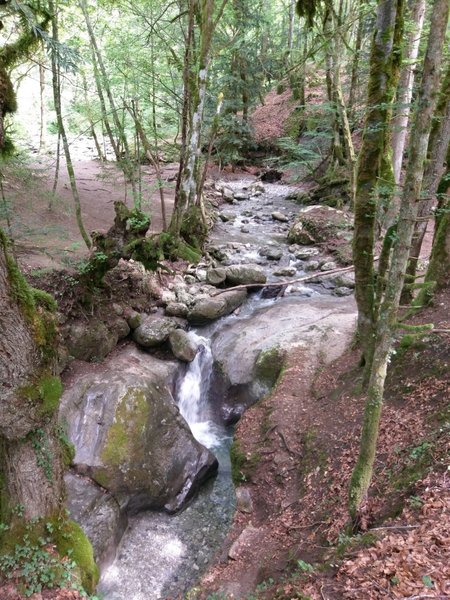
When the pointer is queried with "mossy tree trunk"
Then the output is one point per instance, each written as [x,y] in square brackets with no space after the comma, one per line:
[188,200]
[386,322]
[437,154]
[381,87]
[30,454]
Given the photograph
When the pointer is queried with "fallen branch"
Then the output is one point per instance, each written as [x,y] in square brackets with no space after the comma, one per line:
[394,527]
[286,283]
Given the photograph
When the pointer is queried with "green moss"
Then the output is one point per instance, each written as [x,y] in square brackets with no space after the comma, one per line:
[46,391]
[70,540]
[67,448]
[131,416]
[242,466]
[269,365]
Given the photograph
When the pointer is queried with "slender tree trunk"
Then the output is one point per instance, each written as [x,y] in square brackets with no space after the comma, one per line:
[42,104]
[416,13]
[356,57]
[380,95]
[127,165]
[62,131]
[386,322]
[90,120]
[437,152]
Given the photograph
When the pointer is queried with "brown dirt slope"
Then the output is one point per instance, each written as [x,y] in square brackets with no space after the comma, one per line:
[299,447]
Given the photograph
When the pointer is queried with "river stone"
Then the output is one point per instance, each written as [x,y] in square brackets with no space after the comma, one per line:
[328,266]
[228,194]
[305,253]
[98,514]
[182,346]
[244,501]
[208,309]
[216,276]
[345,280]
[271,252]
[176,309]
[245,230]
[154,331]
[343,291]
[241,196]
[312,265]
[285,272]
[129,436]
[227,216]
[120,327]
[245,275]
[279,216]
[134,319]
[90,341]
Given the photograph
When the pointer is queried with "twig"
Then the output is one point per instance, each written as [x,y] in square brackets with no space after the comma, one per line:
[285,283]
[321,592]
[283,439]
[309,525]
[441,597]
[395,527]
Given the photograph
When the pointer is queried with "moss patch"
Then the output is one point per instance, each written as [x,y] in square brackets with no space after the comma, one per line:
[70,540]
[242,466]
[46,391]
[131,417]
[269,365]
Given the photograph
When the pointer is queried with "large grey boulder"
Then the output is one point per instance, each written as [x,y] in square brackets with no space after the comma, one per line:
[327,226]
[129,436]
[98,514]
[154,331]
[214,307]
[182,346]
[245,275]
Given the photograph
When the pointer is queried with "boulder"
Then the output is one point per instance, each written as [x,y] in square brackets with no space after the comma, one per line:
[90,341]
[154,331]
[245,275]
[271,252]
[279,216]
[98,514]
[129,436]
[134,319]
[326,226]
[228,194]
[120,327]
[241,196]
[208,309]
[216,276]
[226,216]
[285,272]
[176,309]
[182,346]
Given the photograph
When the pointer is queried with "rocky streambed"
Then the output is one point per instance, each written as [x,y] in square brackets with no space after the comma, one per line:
[152,487]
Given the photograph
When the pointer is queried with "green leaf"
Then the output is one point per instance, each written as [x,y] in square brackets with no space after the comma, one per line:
[427,581]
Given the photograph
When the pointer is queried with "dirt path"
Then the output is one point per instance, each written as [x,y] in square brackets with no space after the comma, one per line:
[49,238]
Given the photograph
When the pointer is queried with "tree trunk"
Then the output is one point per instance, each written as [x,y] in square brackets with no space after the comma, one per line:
[434,169]
[26,427]
[42,104]
[415,13]
[386,321]
[356,57]
[61,128]
[379,100]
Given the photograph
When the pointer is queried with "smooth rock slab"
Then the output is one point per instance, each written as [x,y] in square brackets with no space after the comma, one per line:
[182,346]
[279,216]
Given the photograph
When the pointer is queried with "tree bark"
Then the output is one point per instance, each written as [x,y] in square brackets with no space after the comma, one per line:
[416,13]
[386,321]
[380,96]
[25,428]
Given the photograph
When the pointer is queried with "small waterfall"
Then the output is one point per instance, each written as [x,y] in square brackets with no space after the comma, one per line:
[193,396]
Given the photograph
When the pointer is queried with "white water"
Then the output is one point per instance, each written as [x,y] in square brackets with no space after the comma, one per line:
[193,393]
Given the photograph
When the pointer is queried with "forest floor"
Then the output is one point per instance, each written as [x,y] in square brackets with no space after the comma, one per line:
[297,447]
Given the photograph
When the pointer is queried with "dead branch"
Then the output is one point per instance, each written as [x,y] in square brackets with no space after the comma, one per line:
[286,283]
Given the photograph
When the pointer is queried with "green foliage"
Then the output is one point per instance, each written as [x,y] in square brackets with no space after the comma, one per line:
[242,466]
[44,457]
[27,555]
[46,391]
[234,141]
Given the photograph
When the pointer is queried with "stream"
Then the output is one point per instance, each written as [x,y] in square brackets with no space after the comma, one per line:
[160,555]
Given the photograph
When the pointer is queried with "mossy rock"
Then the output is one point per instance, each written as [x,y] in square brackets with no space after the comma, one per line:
[70,540]
[269,366]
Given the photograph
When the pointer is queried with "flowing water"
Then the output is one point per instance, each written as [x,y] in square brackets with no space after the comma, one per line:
[161,556]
